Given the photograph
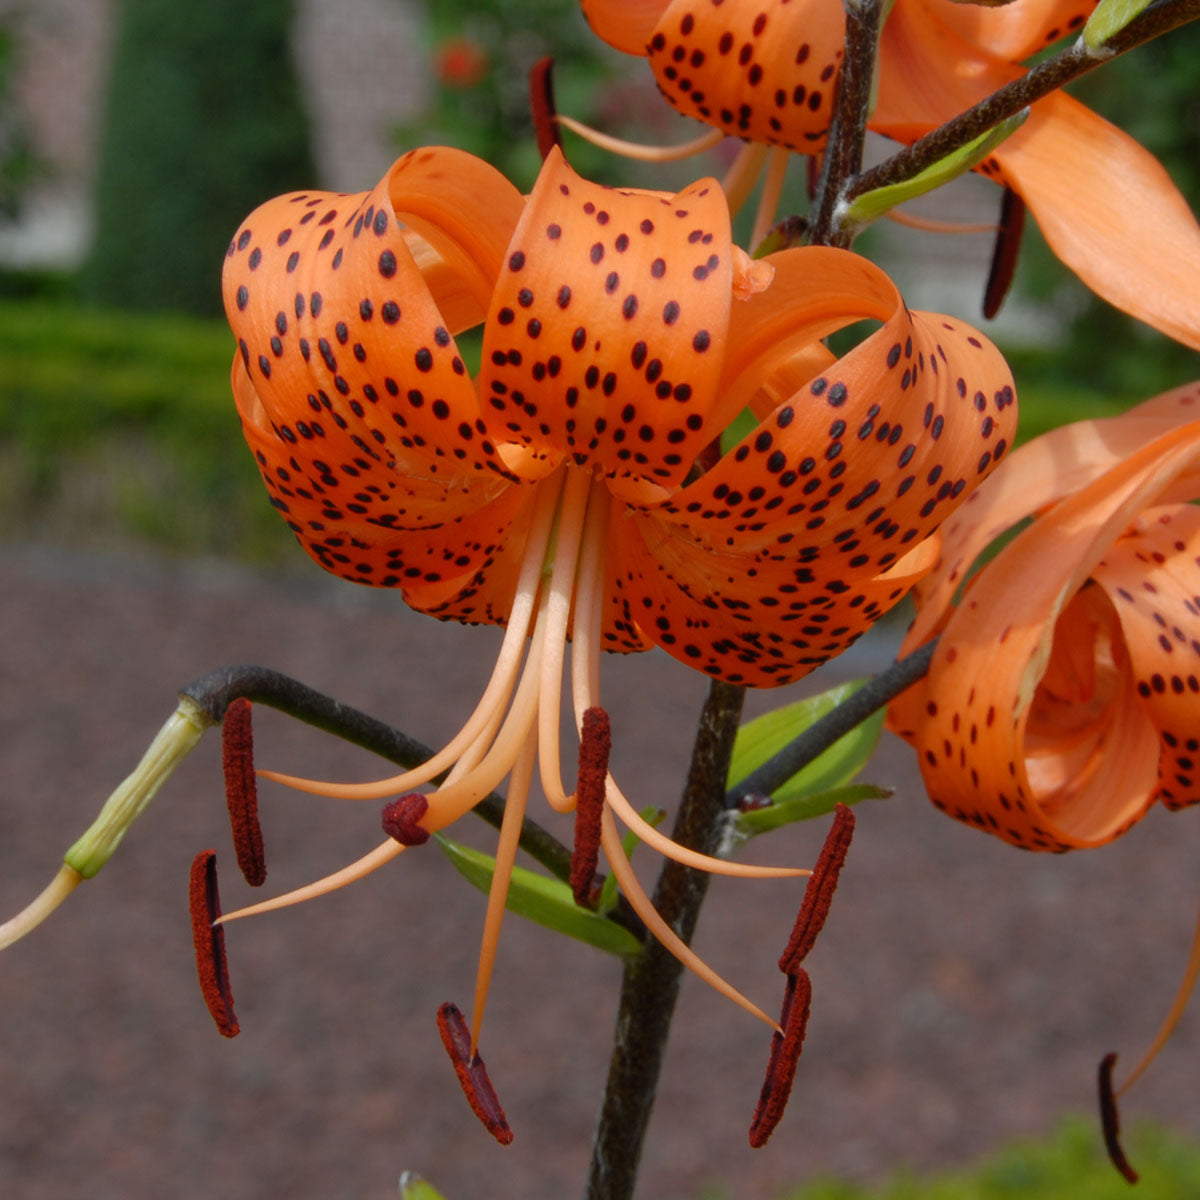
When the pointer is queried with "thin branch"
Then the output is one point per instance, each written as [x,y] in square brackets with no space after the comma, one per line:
[650,984]
[818,737]
[217,690]
[847,133]
[1046,77]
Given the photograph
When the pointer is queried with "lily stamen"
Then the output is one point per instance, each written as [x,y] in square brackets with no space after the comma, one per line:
[595,742]
[785,1055]
[472,1073]
[499,687]
[638,150]
[241,791]
[212,967]
[818,894]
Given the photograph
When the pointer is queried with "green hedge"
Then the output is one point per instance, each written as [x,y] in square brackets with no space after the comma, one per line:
[204,121]
[120,430]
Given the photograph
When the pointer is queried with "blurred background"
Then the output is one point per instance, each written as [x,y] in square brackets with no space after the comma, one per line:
[135,135]
[966,991]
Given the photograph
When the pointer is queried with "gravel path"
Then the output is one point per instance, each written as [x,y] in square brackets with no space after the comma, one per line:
[963,991]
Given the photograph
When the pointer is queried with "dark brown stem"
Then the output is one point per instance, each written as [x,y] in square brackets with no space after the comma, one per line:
[1046,77]
[651,981]
[843,155]
[835,724]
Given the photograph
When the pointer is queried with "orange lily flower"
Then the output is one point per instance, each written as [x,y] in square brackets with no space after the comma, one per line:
[1063,697]
[574,488]
[1105,205]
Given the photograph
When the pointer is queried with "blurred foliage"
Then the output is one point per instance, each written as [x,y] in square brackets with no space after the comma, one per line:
[1071,1164]
[204,122]
[17,160]
[1104,349]
[481,52]
[118,430]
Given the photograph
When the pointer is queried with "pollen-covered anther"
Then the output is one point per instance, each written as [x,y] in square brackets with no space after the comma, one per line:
[595,744]
[241,791]
[785,1054]
[212,967]
[402,816]
[818,893]
[472,1073]
[1110,1120]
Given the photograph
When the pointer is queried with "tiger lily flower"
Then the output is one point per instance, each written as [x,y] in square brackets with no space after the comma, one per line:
[575,488]
[765,73]
[1063,698]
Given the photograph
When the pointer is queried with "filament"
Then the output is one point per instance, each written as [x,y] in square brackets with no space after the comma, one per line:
[768,202]
[636,150]
[743,174]
[506,853]
[572,512]
[499,687]
[615,853]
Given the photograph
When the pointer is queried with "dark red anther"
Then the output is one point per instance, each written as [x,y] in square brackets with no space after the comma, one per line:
[209,939]
[818,895]
[241,791]
[1110,1121]
[472,1074]
[401,819]
[541,106]
[595,744]
[1004,253]
[785,1054]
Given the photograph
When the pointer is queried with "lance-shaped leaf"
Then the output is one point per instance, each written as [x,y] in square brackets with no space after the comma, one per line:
[413,1187]
[539,898]
[800,808]
[872,205]
[763,738]
[1110,17]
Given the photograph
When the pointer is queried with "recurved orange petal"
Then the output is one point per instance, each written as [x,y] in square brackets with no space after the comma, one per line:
[607,329]
[1105,205]
[1003,742]
[805,533]
[626,24]
[1016,30]
[1039,474]
[1153,580]
[764,72]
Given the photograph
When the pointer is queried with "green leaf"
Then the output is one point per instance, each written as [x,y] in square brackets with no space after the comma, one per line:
[801,808]
[765,736]
[413,1187]
[868,207]
[547,901]
[1109,18]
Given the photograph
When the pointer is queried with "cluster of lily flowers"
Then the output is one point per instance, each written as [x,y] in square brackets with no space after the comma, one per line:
[585,488]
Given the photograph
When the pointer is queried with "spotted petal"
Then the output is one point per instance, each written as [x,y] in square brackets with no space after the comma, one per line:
[817,522]
[607,329]
[764,72]
[1043,712]
[626,24]
[352,394]
[1105,205]
[1039,474]
[1017,30]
